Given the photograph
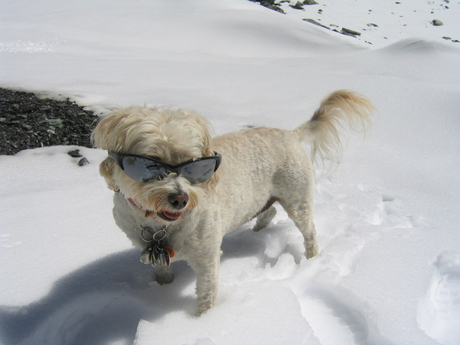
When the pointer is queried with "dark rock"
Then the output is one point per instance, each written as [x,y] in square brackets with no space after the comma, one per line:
[437,22]
[297,6]
[310,2]
[75,153]
[83,162]
[350,32]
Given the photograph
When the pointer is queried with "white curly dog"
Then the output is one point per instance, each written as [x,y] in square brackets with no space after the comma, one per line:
[178,191]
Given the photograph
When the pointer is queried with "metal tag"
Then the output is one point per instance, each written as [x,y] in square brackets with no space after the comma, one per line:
[160,255]
[162,259]
[146,255]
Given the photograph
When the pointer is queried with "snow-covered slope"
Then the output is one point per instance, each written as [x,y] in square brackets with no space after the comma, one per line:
[387,217]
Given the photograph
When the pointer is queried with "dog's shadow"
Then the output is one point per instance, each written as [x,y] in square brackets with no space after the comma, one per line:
[105,300]
[97,303]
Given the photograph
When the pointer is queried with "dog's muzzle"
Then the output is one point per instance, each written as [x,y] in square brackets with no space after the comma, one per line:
[178,201]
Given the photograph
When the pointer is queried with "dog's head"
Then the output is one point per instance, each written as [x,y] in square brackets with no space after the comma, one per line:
[168,136]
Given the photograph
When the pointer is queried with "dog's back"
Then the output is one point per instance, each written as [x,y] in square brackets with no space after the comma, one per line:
[259,165]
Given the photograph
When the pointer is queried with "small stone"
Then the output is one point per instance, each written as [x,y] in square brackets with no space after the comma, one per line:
[83,162]
[310,2]
[26,126]
[75,153]
[437,22]
[297,6]
[350,32]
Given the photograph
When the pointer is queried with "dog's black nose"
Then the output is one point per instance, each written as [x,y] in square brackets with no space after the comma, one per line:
[178,201]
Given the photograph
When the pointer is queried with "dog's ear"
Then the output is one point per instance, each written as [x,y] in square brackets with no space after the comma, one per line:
[106,171]
[105,135]
[211,184]
[213,181]
[206,131]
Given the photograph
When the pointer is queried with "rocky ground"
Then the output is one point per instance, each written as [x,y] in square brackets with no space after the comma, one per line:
[27,121]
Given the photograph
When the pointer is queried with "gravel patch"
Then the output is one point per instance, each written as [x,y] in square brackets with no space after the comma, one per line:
[27,122]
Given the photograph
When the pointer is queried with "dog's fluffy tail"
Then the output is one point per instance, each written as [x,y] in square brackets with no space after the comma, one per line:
[341,110]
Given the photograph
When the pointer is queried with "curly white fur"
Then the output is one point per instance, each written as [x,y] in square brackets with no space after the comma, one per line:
[260,166]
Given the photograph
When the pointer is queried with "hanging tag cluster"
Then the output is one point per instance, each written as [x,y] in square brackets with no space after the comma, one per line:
[157,253]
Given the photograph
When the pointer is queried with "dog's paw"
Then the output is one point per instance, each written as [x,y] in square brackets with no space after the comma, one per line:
[203,307]
[164,279]
[311,250]
[164,275]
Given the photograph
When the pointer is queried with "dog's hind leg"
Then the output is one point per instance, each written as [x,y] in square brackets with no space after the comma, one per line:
[264,219]
[301,214]
[295,194]
[304,223]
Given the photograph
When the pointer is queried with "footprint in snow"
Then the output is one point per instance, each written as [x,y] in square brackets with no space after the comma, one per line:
[336,314]
[390,213]
[386,208]
[439,311]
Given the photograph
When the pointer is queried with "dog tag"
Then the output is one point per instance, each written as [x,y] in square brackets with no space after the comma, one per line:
[146,255]
[163,259]
[170,251]
[160,256]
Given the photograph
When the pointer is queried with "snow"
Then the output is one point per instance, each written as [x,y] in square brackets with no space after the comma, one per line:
[387,217]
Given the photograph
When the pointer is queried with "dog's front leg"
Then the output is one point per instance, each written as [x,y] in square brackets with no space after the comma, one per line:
[206,286]
[207,279]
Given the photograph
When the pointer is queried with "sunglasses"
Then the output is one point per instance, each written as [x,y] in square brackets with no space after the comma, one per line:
[142,169]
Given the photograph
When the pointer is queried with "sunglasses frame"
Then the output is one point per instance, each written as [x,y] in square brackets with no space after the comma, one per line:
[118,158]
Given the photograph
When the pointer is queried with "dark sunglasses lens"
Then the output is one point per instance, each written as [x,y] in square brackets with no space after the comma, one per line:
[199,171]
[141,169]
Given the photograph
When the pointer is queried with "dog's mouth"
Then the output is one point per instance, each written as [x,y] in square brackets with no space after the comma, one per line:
[165,215]
[169,216]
